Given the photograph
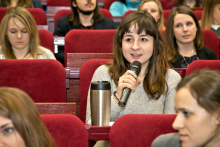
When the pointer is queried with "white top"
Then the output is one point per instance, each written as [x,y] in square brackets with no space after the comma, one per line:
[42,53]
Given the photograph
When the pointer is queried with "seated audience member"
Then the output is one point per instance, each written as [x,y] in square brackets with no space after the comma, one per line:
[19,36]
[185,42]
[20,122]
[197,102]
[118,8]
[211,16]
[189,3]
[153,7]
[21,3]
[85,15]
[138,39]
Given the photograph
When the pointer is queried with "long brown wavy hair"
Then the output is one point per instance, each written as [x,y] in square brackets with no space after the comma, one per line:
[171,45]
[207,15]
[154,82]
[74,17]
[21,3]
[25,17]
[17,106]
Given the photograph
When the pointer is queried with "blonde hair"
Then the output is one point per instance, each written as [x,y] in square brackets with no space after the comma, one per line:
[21,3]
[160,21]
[25,17]
[16,105]
[207,16]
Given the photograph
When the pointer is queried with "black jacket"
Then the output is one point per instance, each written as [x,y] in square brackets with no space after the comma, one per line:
[64,26]
[204,54]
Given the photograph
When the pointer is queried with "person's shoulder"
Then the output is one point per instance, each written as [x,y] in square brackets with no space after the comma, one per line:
[102,69]
[205,49]
[167,140]
[45,53]
[173,74]
[117,4]
[64,18]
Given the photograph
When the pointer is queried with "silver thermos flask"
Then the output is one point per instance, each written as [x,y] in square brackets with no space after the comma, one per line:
[100,103]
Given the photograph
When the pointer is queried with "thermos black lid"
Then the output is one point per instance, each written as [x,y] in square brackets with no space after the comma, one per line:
[100,85]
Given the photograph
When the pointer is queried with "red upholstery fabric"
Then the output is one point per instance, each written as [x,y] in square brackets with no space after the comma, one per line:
[164,3]
[2,12]
[65,3]
[89,41]
[210,40]
[139,130]
[198,14]
[203,64]
[128,12]
[66,130]
[107,3]
[64,12]
[46,39]
[38,14]
[166,14]
[44,79]
[86,73]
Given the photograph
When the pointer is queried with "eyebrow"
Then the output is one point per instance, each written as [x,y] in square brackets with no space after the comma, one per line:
[182,109]
[139,35]
[5,125]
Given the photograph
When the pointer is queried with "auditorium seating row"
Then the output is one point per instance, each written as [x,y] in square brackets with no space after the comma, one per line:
[70,131]
[49,21]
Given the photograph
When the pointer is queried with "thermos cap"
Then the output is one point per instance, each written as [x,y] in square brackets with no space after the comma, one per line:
[101,85]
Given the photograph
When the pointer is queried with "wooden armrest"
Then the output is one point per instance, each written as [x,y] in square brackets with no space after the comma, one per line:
[56,108]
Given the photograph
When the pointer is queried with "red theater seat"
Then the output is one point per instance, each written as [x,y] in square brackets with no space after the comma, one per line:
[128,12]
[166,14]
[198,14]
[89,41]
[139,130]
[43,79]
[66,130]
[203,64]
[86,73]
[46,39]
[107,3]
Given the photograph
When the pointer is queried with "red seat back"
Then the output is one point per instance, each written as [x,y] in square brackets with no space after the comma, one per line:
[43,79]
[66,130]
[140,129]
[198,14]
[65,3]
[203,64]
[86,74]
[89,41]
[166,14]
[46,39]
[128,12]
[107,3]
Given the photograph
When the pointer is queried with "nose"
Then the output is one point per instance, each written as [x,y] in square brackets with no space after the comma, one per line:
[178,122]
[135,45]
[185,28]
[19,35]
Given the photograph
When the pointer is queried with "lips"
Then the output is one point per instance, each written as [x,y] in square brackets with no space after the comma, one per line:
[182,136]
[186,36]
[136,56]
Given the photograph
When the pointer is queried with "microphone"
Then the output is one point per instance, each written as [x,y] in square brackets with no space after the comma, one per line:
[136,68]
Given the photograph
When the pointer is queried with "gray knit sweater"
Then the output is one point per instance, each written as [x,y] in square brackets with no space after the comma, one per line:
[138,102]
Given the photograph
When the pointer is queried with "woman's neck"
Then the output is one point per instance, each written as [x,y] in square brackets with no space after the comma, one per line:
[14,3]
[21,53]
[187,50]
[143,70]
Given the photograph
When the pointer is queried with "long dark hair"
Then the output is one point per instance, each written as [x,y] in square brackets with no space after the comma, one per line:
[154,82]
[172,47]
[74,18]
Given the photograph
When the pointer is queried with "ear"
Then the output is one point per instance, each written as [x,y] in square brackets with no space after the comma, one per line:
[74,4]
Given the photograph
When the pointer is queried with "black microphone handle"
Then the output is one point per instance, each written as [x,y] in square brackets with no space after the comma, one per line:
[124,97]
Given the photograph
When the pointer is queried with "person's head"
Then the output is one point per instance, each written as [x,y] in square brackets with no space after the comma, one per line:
[211,14]
[20,122]
[182,28]
[21,3]
[138,38]
[85,7]
[183,2]
[18,31]
[197,102]
[153,7]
